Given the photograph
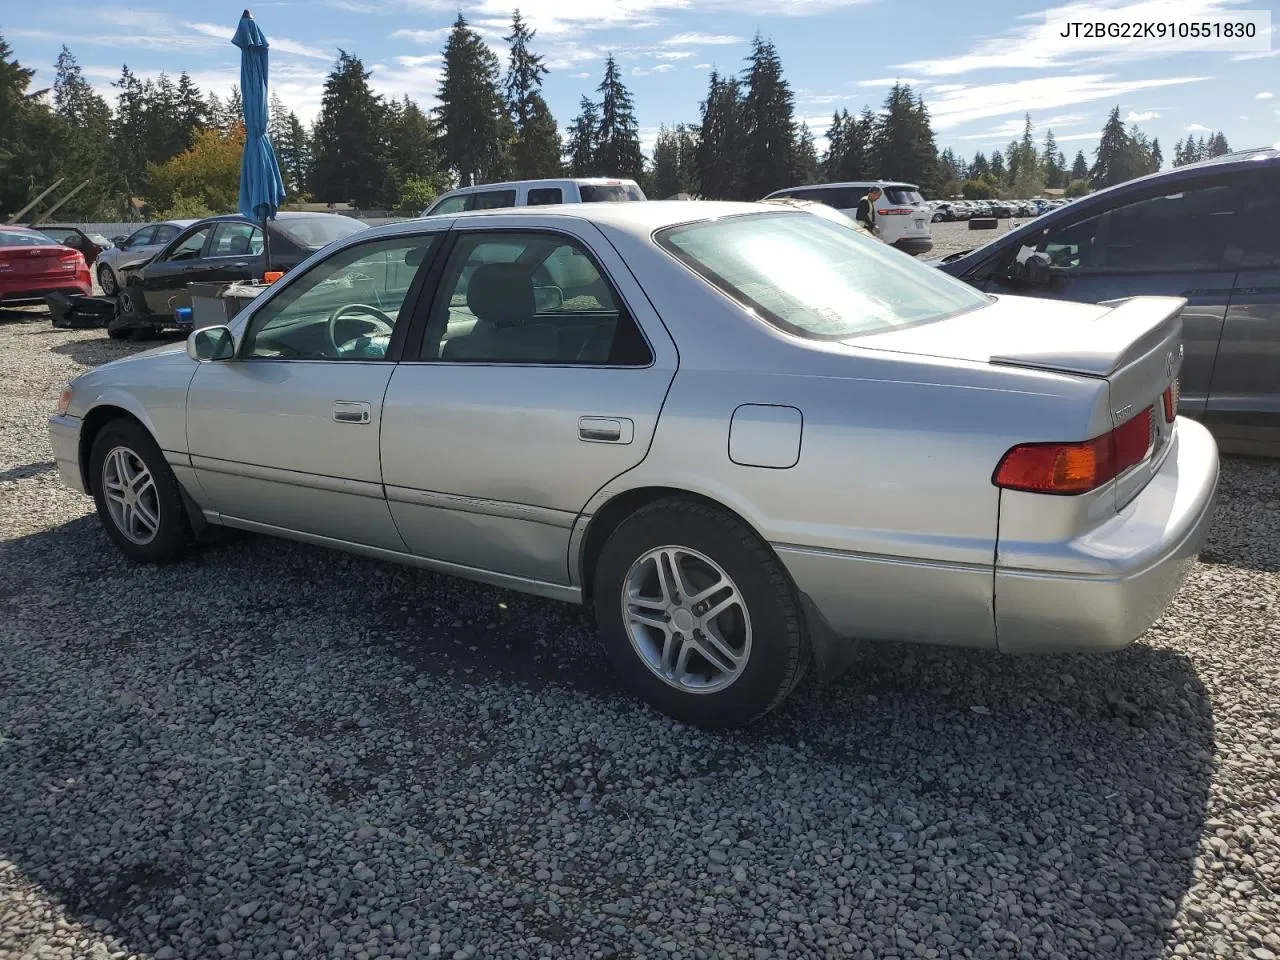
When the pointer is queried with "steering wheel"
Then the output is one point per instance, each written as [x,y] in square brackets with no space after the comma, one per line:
[373,316]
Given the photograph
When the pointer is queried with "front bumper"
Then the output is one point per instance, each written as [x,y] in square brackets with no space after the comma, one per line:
[64,434]
[1124,572]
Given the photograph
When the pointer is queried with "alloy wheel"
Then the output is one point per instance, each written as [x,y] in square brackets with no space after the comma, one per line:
[686,619]
[107,280]
[132,499]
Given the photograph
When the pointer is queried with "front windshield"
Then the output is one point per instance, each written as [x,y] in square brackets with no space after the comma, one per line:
[812,277]
[24,238]
[314,232]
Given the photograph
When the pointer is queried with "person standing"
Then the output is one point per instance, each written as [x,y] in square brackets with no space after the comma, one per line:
[866,212]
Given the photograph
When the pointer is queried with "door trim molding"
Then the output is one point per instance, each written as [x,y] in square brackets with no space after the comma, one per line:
[504,509]
[292,478]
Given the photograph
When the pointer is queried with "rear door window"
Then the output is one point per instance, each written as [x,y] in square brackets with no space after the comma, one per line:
[542,196]
[903,196]
[144,237]
[492,200]
[451,204]
[164,233]
[234,239]
[609,192]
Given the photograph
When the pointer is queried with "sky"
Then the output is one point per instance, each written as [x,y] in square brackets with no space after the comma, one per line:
[979,66]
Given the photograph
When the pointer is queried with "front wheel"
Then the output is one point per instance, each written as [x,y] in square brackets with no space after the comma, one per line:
[138,498]
[697,615]
[107,280]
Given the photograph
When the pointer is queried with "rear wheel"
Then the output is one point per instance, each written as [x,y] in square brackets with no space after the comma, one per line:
[697,615]
[107,280]
[138,498]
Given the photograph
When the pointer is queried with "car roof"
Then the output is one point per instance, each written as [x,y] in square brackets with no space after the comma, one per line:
[547,181]
[640,218]
[241,218]
[60,226]
[847,183]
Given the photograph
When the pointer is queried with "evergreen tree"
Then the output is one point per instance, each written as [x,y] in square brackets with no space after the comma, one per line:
[1218,146]
[1079,167]
[233,113]
[349,146]
[86,151]
[193,112]
[719,137]
[805,157]
[29,135]
[979,167]
[535,151]
[294,153]
[997,165]
[618,136]
[472,112]
[837,145]
[277,120]
[950,167]
[665,181]
[1114,160]
[581,145]
[1026,179]
[416,163]
[129,139]
[1053,165]
[903,145]
[1157,156]
[767,118]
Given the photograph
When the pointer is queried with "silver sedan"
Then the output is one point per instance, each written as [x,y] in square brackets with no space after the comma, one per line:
[744,434]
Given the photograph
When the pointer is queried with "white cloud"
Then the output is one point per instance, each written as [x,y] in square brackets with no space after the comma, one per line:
[1039,45]
[674,54]
[1264,95]
[1243,117]
[663,68]
[581,76]
[1257,55]
[887,82]
[1136,117]
[702,66]
[1197,128]
[278,44]
[701,40]
[424,36]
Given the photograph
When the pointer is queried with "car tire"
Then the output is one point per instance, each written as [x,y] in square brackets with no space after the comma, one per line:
[138,498]
[107,280]
[758,650]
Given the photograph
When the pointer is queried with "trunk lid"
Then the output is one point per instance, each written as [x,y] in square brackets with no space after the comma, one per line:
[31,261]
[1134,344]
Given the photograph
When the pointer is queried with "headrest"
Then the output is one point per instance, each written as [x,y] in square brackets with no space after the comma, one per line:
[501,294]
[239,244]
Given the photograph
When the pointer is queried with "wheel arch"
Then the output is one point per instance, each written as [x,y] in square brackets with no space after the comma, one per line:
[91,425]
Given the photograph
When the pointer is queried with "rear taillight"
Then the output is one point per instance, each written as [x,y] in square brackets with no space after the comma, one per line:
[896,212]
[70,260]
[1171,401]
[1072,468]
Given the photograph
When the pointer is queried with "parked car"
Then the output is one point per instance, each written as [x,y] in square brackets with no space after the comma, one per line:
[139,247]
[745,434]
[901,215]
[33,265]
[1209,232]
[218,249]
[533,193]
[90,245]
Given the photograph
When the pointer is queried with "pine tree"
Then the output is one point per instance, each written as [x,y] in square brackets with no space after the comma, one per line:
[1080,167]
[979,167]
[767,117]
[618,135]
[719,136]
[86,151]
[472,112]
[349,143]
[997,165]
[1218,146]
[1157,156]
[277,120]
[665,182]
[193,112]
[535,150]
[580,148]
[1114,159]
[1053,172]
[295,156]
[805,157]
[30,136]
[950,168]
[903,145]
[233,114]
[837,145]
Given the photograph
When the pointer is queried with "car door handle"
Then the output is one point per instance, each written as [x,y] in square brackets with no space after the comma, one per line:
[350,411]
[605,429]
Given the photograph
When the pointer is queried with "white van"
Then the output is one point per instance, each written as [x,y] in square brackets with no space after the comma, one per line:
[902,215]
[534,193]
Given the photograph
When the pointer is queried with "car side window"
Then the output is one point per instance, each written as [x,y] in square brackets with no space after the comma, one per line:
[143,237]
[493,200]
[1257,245]
[192,246]
[1186,230]
[164,233]
[536,298]
[451,204]
[542,196]
[345,307]
[233,238]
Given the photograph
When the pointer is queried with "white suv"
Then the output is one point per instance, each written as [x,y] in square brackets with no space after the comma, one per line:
[533,193]
[902,216]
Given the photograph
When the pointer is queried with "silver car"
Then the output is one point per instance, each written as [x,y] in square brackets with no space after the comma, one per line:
[743,433]
[137,248]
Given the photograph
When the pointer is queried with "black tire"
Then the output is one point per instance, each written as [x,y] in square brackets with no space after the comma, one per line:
[107,281]
[779,651]
[119,333]
[173,534]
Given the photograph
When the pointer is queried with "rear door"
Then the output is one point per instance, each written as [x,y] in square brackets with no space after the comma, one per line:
[1244,402]
[1164,241]
[234,251]
[905,208]
[539,378]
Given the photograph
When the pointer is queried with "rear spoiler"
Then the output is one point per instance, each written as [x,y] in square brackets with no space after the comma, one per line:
[1130,329]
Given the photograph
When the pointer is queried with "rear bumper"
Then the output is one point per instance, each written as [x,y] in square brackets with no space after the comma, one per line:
[1123,573]
[914,245]
[64,434]
[37,293]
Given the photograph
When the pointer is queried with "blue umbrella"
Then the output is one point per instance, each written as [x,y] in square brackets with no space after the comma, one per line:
[261,186]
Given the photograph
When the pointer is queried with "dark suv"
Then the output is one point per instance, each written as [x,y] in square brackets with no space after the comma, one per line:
[1209,232]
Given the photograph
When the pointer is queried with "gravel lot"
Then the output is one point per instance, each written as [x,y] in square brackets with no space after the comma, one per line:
[272,752]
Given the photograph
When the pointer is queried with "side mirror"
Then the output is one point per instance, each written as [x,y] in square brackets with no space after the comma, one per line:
[547,299]
[1037,269]
[211,343]
[118,241]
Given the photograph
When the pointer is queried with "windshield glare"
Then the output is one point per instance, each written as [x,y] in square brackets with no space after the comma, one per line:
[817,279]
[315,232]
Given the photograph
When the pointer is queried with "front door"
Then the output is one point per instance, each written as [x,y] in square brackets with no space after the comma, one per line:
[539,378]
[285,436]
[165,279]
[1161,244]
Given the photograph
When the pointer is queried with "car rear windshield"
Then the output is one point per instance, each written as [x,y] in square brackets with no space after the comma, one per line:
[315,232]
[24,238]
[609,192]
[903,195]
[814,278]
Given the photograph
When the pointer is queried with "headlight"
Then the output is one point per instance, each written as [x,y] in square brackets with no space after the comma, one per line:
[65,400]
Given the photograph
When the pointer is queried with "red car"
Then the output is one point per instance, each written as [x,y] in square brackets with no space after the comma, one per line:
[32,265]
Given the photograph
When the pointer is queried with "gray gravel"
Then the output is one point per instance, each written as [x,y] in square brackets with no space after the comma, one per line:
[271,751]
